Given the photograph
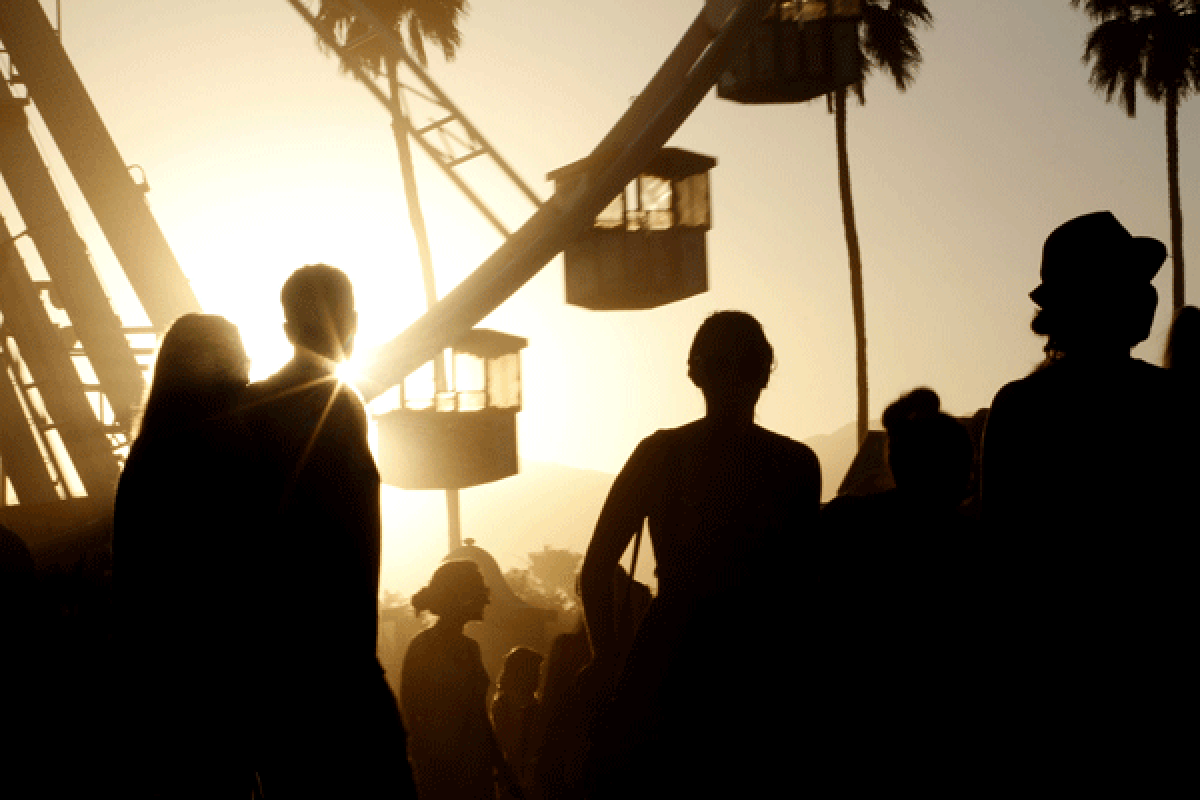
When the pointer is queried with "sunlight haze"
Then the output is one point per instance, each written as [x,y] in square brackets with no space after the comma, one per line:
[261,156]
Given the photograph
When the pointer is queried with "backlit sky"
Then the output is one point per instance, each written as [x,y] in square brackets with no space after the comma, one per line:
[261,157]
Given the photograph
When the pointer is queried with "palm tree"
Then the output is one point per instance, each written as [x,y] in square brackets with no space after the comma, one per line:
[1154,45]
[415,21]
[887,42]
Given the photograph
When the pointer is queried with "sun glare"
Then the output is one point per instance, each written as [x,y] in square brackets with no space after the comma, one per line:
[348,371]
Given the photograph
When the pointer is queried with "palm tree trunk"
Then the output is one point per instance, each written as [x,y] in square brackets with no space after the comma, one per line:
[1177,297]
[855,256]
[417,220]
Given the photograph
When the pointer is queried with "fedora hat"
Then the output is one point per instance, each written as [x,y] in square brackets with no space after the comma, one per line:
[1094,255]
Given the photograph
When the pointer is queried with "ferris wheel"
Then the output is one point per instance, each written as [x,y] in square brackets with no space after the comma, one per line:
[630,217]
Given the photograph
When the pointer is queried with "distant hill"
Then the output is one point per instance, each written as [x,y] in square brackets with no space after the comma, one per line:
[544,504]
[835,451]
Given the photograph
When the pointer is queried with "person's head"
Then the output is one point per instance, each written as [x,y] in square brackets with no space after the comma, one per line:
[521,671]
[929,452]
[318,311]
[1183,341]
[731,359]
[456,591]
[1096,294]
[200,367]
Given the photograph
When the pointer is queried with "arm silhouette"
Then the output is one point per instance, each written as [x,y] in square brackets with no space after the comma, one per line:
[621,518]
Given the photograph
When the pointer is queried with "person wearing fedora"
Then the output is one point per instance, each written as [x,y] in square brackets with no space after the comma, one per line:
[1083,484]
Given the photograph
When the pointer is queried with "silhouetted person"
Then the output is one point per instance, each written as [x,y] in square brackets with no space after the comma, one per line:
[726,502]
[930,456]
[571,701]
[17,591]
[515,710]
[178,589]
[899,610]
[1182,353]
[1083,486]
[20,669]
[444,688]
[560,741]
[329,725]
[1081,444]
[633,601]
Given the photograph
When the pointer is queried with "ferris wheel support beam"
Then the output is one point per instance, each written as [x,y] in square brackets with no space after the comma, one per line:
[444,159]
[117,202]
[65,258]
[680,84]
[428,278]
[396,45]
[54,375]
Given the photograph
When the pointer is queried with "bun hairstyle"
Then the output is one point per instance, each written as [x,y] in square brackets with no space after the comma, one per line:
[730,348]
[928,450]
[450,588]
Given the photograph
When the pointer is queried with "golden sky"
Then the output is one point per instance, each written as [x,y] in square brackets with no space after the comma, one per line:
[261,157]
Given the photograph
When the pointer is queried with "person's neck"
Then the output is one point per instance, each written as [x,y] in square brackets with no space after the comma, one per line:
[310,356]
[1099,355]
[450,624]
[729,417]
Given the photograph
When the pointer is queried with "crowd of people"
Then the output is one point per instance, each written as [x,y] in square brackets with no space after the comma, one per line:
[898,641]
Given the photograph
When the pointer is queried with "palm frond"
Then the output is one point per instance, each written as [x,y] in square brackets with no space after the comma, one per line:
[416,21]
[1115,49]
[1152,45]
[888,38]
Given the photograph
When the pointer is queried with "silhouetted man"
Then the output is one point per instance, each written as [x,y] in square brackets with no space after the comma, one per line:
[1089,499]
[331,727]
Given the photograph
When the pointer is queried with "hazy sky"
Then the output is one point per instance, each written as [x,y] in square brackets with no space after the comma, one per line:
[261,157]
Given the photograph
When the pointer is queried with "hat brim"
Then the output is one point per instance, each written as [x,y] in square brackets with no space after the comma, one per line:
[1149,254]
[1144,258]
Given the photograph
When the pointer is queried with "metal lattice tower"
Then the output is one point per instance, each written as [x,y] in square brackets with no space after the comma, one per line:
[70,378]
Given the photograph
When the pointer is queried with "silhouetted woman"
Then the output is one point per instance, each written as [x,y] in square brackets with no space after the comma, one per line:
[727,503]
[930,456]
[900,621]
[444,688]
[176,581]
[1084,485]
[516,708]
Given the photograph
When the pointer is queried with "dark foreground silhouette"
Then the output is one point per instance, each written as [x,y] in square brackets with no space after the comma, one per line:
[179,600]
[259,507]
[726,502]
[889,644]
[1086,482]
[326,722]
[896,615]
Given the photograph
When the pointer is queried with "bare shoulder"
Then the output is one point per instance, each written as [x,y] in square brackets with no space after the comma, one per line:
[788,453]
[418,649]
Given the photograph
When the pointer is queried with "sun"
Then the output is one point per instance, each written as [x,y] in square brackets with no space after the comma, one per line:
[349,371]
